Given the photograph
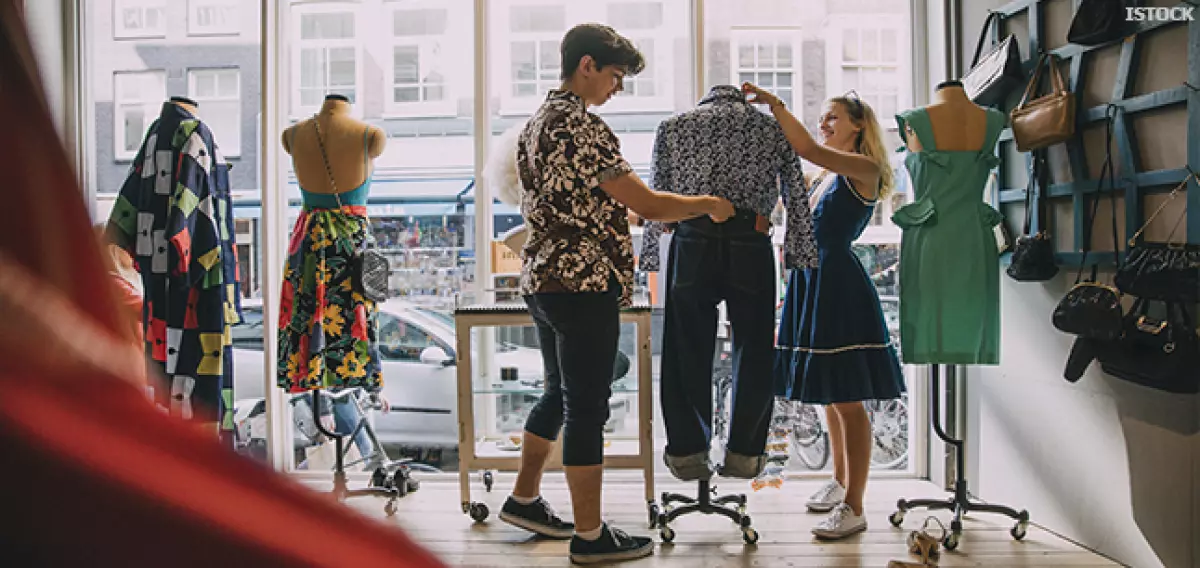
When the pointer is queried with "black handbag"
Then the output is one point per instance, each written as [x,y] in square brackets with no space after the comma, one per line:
[370,270]
[998,72]
[1092,310]
[1033,257]
[1098,22]
[1159,353]
[1168,272]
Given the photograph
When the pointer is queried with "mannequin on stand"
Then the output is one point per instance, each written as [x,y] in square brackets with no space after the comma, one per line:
[949,269]
[174,217]
[327,329]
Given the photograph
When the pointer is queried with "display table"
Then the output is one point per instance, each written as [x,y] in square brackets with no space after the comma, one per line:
[481,452]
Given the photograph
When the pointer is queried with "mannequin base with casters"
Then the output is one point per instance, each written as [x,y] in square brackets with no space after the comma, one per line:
[960,502]
[390,479]
[708,503]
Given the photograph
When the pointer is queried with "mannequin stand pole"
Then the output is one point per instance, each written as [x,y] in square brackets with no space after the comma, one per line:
[960,503]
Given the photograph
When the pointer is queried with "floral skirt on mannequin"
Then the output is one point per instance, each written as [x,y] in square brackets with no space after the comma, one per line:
[327,330]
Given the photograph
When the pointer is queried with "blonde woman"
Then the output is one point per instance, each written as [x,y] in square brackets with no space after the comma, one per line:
[833,346]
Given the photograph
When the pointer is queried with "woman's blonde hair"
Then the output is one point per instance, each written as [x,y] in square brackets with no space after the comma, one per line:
[870,140]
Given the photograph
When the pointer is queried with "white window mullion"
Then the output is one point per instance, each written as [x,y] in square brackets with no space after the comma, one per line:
[218,92]
[137,97]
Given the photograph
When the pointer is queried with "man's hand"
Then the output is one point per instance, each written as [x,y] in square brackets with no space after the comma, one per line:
[380,402]
[758,95]
[720,210]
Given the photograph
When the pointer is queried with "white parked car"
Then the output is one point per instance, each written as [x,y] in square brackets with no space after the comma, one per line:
[419,375]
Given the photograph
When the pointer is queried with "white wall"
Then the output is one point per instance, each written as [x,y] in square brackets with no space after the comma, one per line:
[1109,464]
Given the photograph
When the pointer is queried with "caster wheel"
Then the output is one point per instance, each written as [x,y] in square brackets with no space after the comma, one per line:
[401,485]
[744,522]
[478,512]
[896,519]
[667,534]
[488,481]
[390,508]
[951,541]
[749,535]
[654,512]
[1018,531]
[379,478]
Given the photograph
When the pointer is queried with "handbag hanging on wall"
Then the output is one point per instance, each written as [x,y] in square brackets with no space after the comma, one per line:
[1033,257]
[1048,119]
[1168,271]
[1163,354]
[998,72]
[1092,310]
[1098,22]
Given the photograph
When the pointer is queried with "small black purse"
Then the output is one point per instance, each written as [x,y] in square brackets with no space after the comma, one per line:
[370,270]
[1033,257]
[1092,310]
[1098,22]
[996,74]
[1168,272]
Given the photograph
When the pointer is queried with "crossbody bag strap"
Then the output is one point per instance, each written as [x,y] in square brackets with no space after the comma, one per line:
[1030,189]
[325,158]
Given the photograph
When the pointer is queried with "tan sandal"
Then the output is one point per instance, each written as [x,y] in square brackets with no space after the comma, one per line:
[923,545]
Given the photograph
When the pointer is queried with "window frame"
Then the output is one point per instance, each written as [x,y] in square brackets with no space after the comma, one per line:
[297,110]
[448,106]
[739,37]
[233,150]
[195,30]
[120,32]
[835,64]
[150,103]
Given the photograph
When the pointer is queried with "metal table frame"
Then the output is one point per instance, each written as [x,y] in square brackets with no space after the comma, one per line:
[467,318]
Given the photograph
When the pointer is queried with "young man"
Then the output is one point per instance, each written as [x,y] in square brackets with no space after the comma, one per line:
[577,273]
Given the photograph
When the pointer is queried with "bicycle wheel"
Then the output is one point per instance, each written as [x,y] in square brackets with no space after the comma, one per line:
[889,430]
[809,440]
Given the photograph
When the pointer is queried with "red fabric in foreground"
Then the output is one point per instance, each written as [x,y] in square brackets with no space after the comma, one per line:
[91,474]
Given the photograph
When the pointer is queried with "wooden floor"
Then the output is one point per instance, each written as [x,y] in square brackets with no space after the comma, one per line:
[433,517]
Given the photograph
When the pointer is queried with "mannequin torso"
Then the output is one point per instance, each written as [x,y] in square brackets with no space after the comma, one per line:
[959,125]
[348,151]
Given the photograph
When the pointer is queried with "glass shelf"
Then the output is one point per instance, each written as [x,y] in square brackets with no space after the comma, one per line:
[620,387]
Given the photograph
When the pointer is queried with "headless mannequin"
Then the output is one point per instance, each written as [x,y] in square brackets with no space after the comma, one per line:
[342,135]
[959,125]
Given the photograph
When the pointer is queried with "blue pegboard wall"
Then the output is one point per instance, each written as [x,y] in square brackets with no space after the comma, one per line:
[1131,180]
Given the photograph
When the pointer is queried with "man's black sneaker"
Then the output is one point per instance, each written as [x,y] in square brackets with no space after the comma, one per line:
[612,546]
[536,517]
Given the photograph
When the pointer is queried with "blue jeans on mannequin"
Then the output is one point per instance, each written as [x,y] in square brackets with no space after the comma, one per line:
[710,263]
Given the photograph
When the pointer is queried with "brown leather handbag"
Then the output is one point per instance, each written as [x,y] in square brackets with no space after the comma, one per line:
[1046,120]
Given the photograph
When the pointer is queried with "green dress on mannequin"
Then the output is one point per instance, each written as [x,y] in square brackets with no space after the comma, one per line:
[949,266]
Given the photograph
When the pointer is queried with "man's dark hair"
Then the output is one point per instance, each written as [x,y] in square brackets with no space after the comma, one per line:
[604,44]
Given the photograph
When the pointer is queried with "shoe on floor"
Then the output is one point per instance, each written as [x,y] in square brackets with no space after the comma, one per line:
[742,466]
[841,523]
[612,546]
[827,497]
[536,517]
[694,467]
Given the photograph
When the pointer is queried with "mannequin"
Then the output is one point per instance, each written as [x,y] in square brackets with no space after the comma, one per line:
[959,125]
[327,329]
[174,216]
[949,271]
[343,135]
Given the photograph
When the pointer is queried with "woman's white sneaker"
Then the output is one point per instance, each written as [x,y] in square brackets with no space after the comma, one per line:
[827,497]
[841,523]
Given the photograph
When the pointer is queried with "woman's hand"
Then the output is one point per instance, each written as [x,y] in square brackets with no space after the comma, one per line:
[758,95]
[720,209]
